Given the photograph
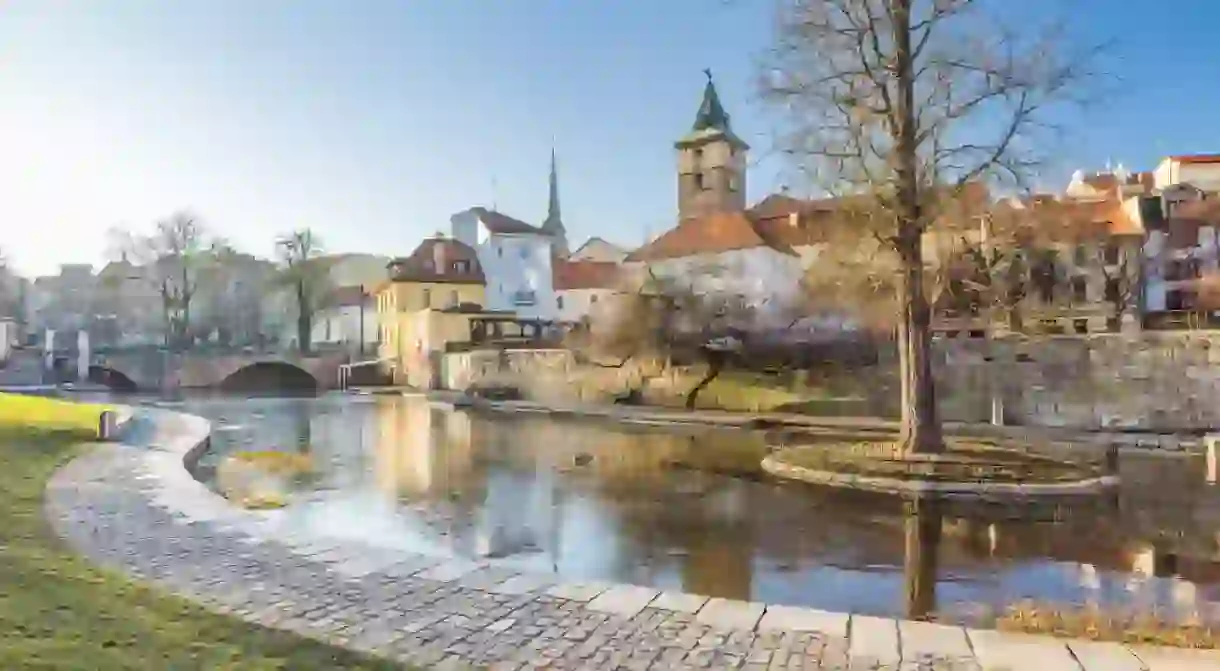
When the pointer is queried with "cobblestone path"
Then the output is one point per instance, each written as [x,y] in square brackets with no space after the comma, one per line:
[130,508]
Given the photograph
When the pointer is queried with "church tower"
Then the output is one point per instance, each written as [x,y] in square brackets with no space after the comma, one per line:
[711,162]
[553,225]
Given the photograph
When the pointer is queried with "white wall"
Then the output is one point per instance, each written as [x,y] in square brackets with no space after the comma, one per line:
[341,325]
[518,263]
[767,279]
[581,303]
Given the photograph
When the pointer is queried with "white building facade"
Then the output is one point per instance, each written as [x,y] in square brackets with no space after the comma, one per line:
[516,260]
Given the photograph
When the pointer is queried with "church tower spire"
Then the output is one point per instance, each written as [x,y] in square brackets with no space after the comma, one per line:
[553,224]
[711,161]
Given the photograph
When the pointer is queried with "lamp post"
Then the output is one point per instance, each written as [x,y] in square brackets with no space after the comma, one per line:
[362,301]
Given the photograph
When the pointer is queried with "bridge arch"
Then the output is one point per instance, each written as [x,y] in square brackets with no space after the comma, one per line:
[270,376]
[112,378]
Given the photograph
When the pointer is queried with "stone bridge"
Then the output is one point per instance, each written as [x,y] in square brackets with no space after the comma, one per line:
[166,371]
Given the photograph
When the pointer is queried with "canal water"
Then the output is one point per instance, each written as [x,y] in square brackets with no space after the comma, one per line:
[688,509]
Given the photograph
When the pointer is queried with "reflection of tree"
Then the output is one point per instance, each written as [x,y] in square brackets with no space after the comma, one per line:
[924,520]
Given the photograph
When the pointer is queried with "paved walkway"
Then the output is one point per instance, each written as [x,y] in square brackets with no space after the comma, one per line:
[137,509]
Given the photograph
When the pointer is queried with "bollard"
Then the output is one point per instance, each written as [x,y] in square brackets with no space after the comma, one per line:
[105,425]
[1211,443]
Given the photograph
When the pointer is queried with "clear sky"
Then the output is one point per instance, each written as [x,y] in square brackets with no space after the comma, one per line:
[374,120]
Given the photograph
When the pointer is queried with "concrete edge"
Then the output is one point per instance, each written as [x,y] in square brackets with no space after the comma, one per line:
[1150,443]
[169,461]
[873,483]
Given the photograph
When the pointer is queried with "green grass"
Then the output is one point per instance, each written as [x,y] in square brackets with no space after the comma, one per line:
[48,414]
[57,611]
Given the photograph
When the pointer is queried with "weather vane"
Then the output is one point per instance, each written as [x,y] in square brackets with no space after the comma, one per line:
[708,72]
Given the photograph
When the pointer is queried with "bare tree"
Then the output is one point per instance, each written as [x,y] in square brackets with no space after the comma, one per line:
[905,104]
[667,319]
[169,260]
[304,271]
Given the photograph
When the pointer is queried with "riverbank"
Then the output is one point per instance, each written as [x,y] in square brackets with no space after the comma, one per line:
[1186,442]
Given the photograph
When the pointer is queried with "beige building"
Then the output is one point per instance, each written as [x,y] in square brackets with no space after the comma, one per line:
[424,304]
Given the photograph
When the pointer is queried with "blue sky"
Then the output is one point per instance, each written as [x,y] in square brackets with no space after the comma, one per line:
[373,120]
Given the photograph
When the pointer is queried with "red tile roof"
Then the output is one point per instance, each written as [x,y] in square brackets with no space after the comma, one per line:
[347,296]
[584,274]
[711,234]
[442,260]
[1197,158]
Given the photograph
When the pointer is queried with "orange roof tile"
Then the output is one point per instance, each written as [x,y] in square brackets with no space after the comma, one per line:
[1197,158]
[584,274]
[711,234]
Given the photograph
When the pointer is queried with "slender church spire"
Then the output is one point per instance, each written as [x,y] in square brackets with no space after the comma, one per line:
[553,224]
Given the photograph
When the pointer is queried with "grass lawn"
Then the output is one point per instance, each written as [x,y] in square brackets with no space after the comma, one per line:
[49,414]
[57,611]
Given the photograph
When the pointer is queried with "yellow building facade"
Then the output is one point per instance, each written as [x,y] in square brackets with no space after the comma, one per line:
[422,304]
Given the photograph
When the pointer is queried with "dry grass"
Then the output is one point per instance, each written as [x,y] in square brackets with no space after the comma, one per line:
[38,413]
[1096,624]
[962,462]
[275,462]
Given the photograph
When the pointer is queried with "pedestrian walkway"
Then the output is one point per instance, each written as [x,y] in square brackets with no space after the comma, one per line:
[137,509]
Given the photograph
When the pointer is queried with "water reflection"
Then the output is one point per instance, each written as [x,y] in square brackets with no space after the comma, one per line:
[687,509]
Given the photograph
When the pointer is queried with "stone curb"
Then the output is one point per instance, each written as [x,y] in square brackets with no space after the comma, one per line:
[167,484]
[781,469]
[1153,443]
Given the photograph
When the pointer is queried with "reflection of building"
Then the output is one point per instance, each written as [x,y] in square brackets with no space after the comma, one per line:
[421,451]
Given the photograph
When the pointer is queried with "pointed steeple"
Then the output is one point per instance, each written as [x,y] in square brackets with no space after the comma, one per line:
[554,220]
[711,113]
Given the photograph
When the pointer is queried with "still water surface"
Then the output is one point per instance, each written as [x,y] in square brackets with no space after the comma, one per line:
[687,509]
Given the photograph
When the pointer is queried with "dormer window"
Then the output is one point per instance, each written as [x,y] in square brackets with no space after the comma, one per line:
[461,266]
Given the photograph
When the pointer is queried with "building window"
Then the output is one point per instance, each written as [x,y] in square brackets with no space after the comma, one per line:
[1113,290]
[699,181]
[525,252]
[593,298]
[453,299]
[500,252]
[559,302]
[427,298]
[733,182]
[1112,253]
[461,266]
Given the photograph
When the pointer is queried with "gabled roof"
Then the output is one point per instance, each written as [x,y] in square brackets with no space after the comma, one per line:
[710,234]
[347,296]
[585,275]
[1196,158]
[440,260]
[498,222]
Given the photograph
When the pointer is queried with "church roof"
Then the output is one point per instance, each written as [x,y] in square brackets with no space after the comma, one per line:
[710,234]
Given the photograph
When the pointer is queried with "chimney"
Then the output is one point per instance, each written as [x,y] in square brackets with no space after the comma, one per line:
[438,257]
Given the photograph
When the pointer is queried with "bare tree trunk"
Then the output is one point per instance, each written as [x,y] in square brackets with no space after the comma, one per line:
[714,367]
[304,322]
[921,432]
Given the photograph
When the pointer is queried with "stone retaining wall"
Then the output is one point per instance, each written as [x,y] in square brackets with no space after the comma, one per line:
[1153,381]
